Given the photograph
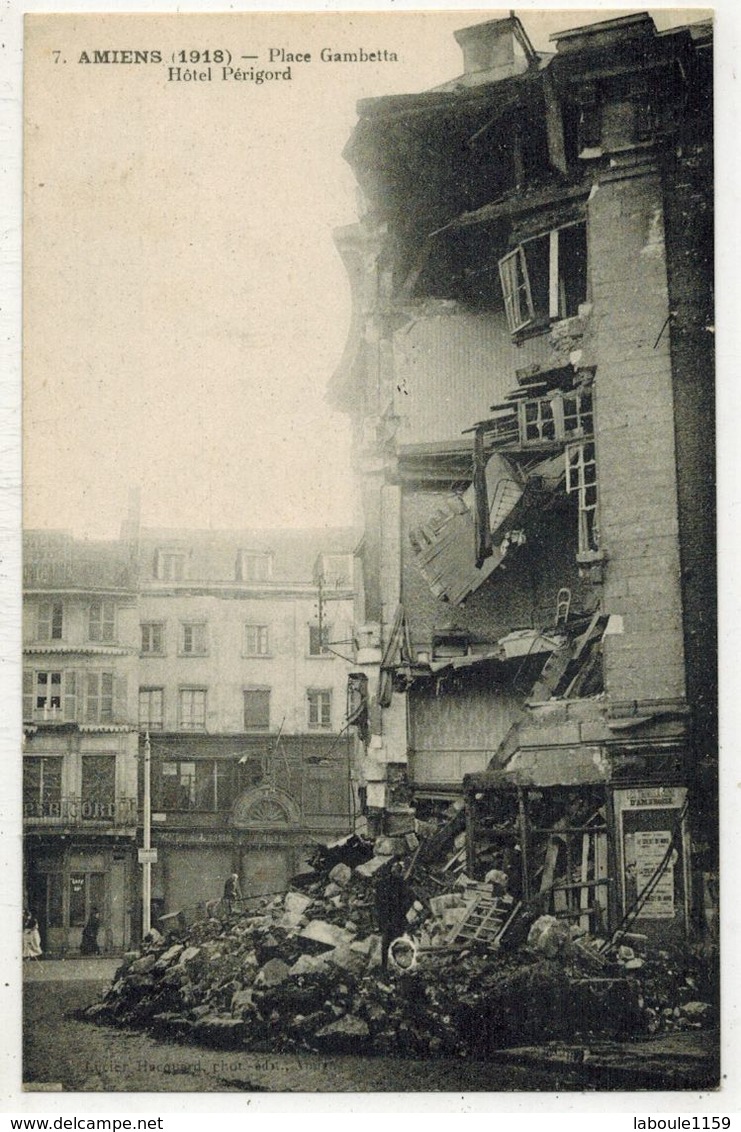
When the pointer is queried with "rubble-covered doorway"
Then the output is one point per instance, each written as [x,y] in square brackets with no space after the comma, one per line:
[265,871]
[653,848]
[195,875]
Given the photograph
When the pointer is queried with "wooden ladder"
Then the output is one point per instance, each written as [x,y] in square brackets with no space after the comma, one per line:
[485,920]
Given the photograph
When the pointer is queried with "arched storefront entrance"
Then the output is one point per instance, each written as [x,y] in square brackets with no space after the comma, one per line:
[267,821]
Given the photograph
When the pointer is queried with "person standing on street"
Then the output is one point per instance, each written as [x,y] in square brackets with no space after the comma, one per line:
[232,893]
[89,941]
[393,901]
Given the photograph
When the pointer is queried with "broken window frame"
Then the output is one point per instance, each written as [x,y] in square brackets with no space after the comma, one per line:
[514,275]
[581,480]
[567,415]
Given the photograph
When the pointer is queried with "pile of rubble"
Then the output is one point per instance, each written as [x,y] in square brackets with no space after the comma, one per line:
[302,971]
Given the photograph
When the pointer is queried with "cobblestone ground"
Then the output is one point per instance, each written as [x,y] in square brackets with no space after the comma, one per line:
[81,1057]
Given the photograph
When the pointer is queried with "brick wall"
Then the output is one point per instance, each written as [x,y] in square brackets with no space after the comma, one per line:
[635,435]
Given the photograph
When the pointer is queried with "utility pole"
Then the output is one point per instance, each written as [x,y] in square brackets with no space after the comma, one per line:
[147,864]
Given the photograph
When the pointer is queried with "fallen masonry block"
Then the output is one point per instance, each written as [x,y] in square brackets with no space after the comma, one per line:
[322,932]
[399,820]
[345,1035]
[224,1033]
[272,974]
[549,936]
[170,955]
[242,1001]
[309,964]
[170,1025]
[341,874]
[144,965]
[390,846]
[363,946]
[347,960]
[370,868]
[191,957]
[294,906]
[351,850]
[696,1011]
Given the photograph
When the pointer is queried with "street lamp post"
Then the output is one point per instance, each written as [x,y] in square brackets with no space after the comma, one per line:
[147,864]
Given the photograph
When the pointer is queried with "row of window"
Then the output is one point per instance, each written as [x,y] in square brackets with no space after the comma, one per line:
[68,695]
[88,697]
[193,704]
[171,565]
[256,639]
[200,784]
[192,638]
[100,617]
[42,788]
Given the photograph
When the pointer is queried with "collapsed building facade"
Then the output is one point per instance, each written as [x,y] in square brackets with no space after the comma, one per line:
[529,375]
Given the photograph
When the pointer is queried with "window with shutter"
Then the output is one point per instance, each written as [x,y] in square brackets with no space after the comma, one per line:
[42,786]
[151,708]
[102,621]
[27,694]
[257,709]
[170,566]
[50,621]
[319,639]
[98,787]
[98,697]
[192,705]
[70,696]
[254,566]
[193,638]
[153,638]
[256,640]
[320,708]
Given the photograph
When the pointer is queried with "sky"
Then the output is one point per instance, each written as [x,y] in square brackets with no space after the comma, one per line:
[184,304]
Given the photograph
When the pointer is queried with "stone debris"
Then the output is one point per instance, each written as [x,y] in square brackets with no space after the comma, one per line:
[302,971]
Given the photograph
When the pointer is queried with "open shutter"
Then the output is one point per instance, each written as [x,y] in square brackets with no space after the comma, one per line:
[108,627]
[95,614]
[70,696]
[92,697]
[120,690]
[106,697]
[27,693]
[43,624]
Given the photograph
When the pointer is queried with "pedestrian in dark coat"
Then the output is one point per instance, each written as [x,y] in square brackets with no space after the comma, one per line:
[393,901]
[89,941]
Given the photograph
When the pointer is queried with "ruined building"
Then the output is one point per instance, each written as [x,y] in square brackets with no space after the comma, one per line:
[529,375]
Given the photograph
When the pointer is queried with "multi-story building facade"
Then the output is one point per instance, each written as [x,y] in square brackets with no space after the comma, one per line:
[231,653]
[80,655]
[245,646]
[530,378]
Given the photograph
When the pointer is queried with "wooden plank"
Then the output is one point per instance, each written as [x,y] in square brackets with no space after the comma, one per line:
[584,895]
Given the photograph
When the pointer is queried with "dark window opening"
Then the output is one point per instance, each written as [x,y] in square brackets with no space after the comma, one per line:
[545,278]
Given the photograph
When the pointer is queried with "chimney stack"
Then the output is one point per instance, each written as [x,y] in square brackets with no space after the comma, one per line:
[495,50]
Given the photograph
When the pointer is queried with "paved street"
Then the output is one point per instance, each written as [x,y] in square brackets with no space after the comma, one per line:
[80,1057]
